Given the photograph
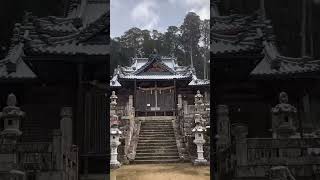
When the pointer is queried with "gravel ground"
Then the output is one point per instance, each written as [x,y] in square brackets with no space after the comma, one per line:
[161,172]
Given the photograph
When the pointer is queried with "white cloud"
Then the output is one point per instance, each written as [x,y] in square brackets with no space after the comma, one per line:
[200,7]
[172,1]
[145,14]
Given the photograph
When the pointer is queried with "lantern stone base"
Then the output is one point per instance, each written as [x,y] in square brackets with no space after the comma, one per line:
[115,165]
[200,162]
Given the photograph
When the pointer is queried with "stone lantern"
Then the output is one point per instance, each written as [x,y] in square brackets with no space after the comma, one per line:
[199,140]
[12,117]
[283,118]
[115,133]
[114,143]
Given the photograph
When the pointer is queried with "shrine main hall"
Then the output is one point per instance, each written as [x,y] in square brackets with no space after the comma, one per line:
[156,83]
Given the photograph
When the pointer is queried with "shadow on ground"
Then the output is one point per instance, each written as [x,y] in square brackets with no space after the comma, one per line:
[161,172]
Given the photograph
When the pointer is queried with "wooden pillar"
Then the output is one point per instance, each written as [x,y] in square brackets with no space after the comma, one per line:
[156,98]
[175,98]
[135,94]
[303,28]
[306,109]
[86,164]
[310,24]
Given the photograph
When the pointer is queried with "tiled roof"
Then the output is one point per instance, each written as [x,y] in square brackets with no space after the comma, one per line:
[222,47]
[198,82]
[58,35]
[71,41]
[20,69]
[155,77]
[238,34]
[173,71]
[273,64]
[114,82]
[158,59]
[73,48]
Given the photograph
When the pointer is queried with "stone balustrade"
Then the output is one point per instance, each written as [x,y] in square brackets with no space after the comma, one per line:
[262,151]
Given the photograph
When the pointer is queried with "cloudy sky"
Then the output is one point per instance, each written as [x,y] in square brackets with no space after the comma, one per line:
[153,14]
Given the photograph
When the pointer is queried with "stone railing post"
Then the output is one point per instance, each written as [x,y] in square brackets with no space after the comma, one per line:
[240,133]
[179,102]
[223,128]
[57,149]
[66,126]
[185,107]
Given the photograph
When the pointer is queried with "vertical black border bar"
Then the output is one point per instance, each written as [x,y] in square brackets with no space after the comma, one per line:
[108,93]
[213,163]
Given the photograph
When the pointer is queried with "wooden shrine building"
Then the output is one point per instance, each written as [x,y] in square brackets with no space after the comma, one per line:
[55,62]
[155,84]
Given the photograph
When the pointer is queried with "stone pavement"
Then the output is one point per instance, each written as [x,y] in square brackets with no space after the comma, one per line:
[181,171]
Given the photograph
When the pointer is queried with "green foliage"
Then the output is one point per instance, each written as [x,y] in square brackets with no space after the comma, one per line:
[176,41]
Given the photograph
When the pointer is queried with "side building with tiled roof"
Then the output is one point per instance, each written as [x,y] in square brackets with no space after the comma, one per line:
[249,72]
[55,62]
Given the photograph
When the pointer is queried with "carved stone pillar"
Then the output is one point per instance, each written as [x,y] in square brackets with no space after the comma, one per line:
[283,118]
[198,102]
[240,132]
[223,128]
[113,103]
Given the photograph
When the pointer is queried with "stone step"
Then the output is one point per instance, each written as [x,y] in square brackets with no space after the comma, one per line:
[156,127]
[156,130]
[157,135]
[157,154]
[157,147]
[169,150]
[157,140]
[157,122]
[156,157]
[156,161]
[156,143]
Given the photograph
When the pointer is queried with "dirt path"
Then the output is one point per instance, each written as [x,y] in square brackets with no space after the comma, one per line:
[161,172]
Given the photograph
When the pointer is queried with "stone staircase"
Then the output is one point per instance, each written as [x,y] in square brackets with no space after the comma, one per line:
[157,143]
